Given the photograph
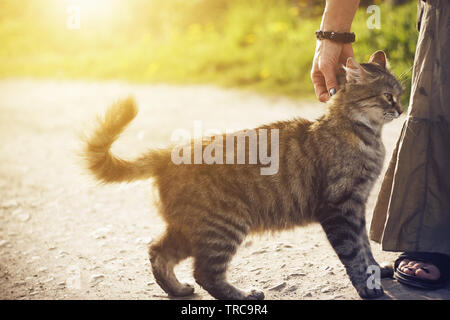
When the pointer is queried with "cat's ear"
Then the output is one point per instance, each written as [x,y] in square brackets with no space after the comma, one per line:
[379,58]
[354,73]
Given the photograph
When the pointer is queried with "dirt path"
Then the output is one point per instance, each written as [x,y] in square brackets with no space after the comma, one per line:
[64,237]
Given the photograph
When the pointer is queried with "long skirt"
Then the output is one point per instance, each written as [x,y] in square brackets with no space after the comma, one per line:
[413,207]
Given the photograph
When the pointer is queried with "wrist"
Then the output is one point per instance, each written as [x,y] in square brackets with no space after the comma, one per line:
[329,23]
[339,37]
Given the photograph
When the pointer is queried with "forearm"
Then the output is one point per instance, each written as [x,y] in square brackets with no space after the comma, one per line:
[338,15]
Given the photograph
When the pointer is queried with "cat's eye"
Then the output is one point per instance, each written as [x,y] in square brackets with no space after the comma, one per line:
[389,96]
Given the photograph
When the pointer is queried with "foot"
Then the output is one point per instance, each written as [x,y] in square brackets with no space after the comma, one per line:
[370,293]
[255,295]
[419,269]
[182,291]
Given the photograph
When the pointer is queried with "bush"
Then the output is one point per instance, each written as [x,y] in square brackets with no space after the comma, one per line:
[263,45]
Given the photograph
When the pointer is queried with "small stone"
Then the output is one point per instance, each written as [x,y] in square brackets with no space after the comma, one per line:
[146,240]
[61,254]
[295,275]
[259,252]
[307,295]
[255,269]
[3,243]
[96,279]
[49,279]
[9,204]
[326,290]
[21,216]
[278,287]
[19,283]
[291,288]
[100,233]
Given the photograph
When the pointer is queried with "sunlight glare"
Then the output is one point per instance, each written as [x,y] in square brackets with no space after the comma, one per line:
[92,6]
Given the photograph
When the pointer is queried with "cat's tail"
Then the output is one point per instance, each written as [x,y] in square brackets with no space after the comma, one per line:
[105,166]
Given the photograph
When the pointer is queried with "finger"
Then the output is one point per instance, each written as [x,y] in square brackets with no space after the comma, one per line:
[330,78]
[320,87]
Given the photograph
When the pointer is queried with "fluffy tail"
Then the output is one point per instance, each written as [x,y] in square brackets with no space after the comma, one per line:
[102,163]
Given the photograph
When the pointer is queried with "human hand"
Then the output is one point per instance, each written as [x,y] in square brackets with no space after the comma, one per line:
[328,58]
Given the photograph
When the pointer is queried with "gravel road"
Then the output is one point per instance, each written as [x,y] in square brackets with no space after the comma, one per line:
[63,236]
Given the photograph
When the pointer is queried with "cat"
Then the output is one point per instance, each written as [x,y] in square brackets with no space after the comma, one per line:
[326,171]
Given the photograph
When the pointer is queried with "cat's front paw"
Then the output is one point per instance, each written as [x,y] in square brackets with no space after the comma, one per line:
[370,293]
[255,295]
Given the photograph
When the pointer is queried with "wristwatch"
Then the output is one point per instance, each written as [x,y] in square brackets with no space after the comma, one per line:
[342,37]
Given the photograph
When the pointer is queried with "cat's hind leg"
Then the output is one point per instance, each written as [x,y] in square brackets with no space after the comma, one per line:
[164,255]
[216,245]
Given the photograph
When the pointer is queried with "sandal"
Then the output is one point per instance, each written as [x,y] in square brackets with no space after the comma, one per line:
[441,261]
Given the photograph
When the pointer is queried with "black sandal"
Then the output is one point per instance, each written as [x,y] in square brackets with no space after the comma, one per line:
[441,261]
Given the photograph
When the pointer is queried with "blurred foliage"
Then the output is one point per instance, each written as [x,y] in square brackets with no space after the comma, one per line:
[265,45]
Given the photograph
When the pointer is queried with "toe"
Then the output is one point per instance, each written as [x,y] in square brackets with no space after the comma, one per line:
[408,270]
[417,265]
[403,263]
[428,271]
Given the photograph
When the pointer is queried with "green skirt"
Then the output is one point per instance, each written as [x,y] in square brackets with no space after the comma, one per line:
[413,207]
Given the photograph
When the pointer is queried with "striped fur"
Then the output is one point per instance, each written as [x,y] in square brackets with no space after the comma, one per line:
[326,171]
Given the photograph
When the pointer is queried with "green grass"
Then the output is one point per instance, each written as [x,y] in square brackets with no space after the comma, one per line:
[262,45]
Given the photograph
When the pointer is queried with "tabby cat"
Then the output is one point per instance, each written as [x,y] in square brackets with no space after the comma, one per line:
[326,171]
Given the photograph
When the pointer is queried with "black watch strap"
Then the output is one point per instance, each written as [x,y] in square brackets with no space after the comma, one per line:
[343,37]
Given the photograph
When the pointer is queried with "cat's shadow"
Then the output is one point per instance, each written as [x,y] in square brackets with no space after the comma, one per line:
[393,290]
